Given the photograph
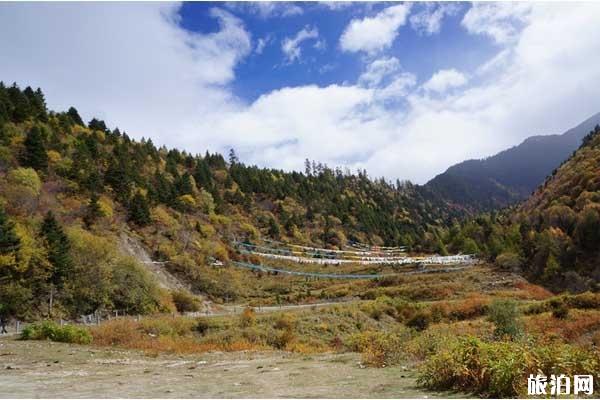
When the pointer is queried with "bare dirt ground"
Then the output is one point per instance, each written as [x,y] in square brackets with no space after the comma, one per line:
[46,369]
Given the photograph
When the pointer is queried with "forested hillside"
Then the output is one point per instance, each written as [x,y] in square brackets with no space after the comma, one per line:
[511,175]
[554,237]
[69,190]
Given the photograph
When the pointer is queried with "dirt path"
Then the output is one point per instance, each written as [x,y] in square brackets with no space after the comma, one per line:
[45,369]
[224,310]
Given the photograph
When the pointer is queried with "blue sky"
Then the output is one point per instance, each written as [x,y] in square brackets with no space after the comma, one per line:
[403,90]
[422,54]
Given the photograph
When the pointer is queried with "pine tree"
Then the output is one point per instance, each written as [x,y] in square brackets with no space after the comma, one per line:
[274,230]
[9,241]
[58,248]
[74,115]
[93,211]
[21,109]
[139,212]
[233,159]
[35,155]
[97,125]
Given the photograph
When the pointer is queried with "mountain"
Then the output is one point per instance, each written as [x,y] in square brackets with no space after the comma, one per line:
[560,222]
[72,195]
[511,175]
[554,236]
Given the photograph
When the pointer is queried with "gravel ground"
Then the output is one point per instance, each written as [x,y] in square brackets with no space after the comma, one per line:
[36,369]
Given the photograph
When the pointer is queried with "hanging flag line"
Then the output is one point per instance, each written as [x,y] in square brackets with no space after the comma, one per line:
[339,276]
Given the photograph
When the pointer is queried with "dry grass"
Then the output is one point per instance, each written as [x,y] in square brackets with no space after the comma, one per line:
[579,326]
[160,335]
[529,291]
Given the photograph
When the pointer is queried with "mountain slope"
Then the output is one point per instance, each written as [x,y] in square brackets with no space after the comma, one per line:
[554,236]
[511,175]
[68,191]
[560,222]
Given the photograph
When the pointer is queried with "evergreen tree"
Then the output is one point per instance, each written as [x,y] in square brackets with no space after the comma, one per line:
[9,241]
[74,115]
[37,103]
[274,230]
[93,211]
[184,184]
[35,155]
[233,159]
[139,212]
[58,248]
[21,109]
[98,125]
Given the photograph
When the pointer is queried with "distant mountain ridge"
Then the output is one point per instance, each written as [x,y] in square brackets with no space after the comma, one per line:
[511,175]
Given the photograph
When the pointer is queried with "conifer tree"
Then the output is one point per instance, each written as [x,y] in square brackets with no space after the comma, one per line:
[93,211]
[274,230]
[21,109]
[58,248]
[74,115]
[139,212]
[35,155]
[9,241]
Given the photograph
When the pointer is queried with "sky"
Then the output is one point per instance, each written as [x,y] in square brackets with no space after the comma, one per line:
[403,90]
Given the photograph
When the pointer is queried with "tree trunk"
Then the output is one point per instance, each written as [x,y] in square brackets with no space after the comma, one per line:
[51,301]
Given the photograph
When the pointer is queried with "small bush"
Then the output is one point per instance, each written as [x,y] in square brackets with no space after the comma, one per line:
[504,314]
[48,330]
[378,349]
[247,318]
[561,311]
[184,301]
[202,325]
[420,321]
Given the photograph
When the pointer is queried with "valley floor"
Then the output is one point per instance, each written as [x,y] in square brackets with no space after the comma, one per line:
[46,369]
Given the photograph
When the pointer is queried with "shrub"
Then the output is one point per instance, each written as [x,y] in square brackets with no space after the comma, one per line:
[504,314]
[48,330]
[560,311]
[378,349]
[509,261]
[471,307]
[202,325]
[248,317]
[419,321]
[500,369]
[185,301]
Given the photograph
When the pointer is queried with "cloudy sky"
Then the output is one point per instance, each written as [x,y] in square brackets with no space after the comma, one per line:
[403,90]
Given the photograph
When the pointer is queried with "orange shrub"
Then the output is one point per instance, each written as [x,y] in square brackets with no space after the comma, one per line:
[532,292]
[472,307]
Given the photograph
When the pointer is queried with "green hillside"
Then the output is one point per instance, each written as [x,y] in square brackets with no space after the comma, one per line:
[69,191]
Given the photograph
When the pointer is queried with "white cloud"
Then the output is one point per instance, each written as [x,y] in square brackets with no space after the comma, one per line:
[320,44]
[429,20]
[373,34]
[397,88]
[291,46]
[128,63]
[377,70]
[445,79]
[499,20]
[261,43]
[337,5]
[267,9]
[156,80]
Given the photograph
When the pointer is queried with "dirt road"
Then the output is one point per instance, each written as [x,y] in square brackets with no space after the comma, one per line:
[45,369]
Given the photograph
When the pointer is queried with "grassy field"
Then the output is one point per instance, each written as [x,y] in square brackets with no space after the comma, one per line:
[479,331]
